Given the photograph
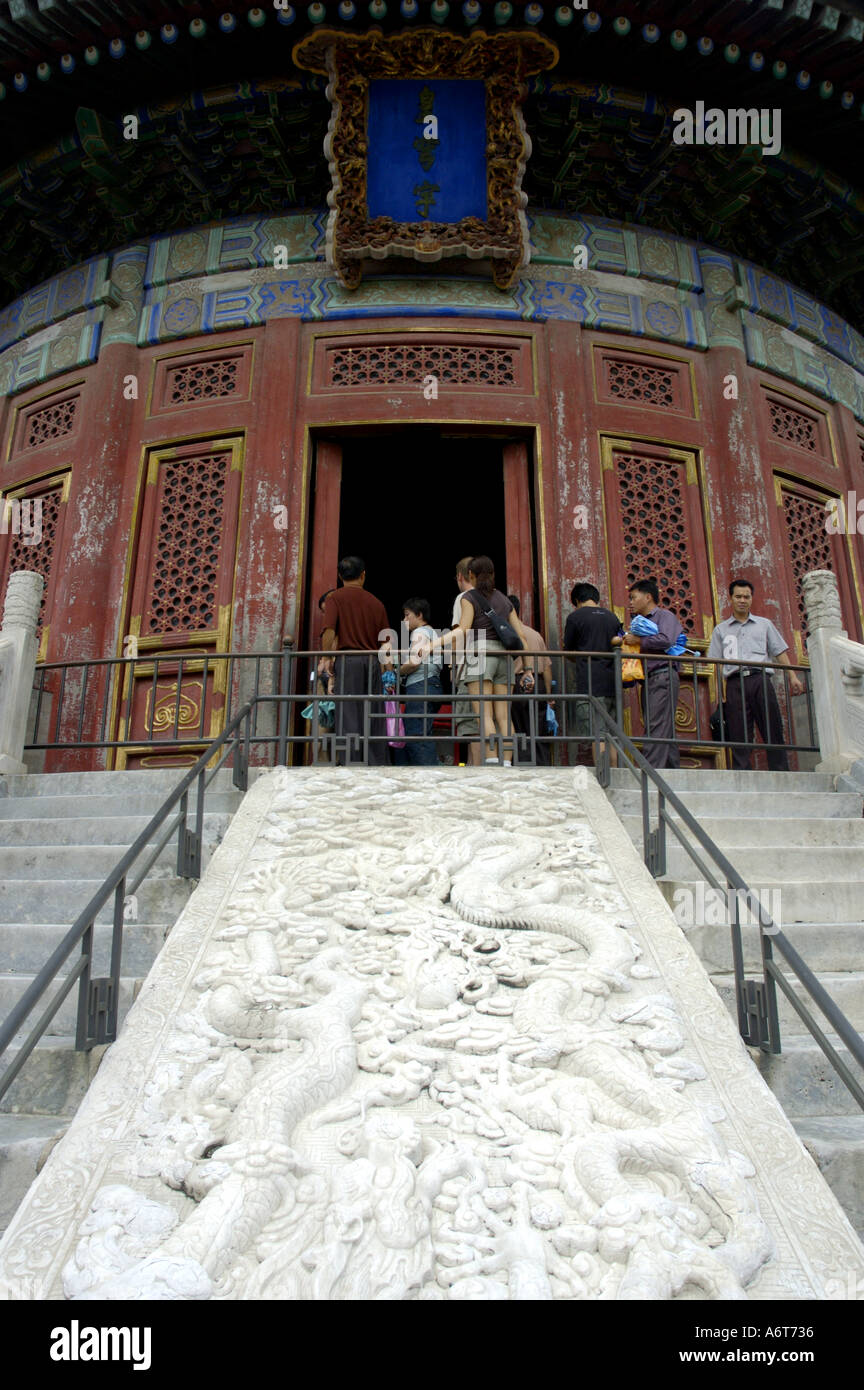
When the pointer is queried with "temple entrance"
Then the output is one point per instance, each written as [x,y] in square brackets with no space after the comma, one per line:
[412,502]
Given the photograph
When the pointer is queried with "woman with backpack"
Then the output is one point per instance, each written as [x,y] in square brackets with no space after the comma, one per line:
[487,614]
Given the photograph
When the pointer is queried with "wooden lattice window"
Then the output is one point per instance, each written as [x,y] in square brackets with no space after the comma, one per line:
[202,381]
[642,379]
[378,362]
[808,543]
[46,422]
[32,517]
[634,381]
[795,425]
[655,530]
[399,365]
[190,521]
[186,380]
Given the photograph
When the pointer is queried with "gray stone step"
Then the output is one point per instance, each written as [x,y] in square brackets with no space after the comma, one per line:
[838,946]
[132,803]
[53,1080]
[804,1081]
[837,1144]
[155,781]
[94,830]
[845,987]
[84,861]
[730,832]
[729,780]
[712,805]
[791,866]
[23,1140]
[46,900]
[25,946]
[825,900]
[63,1023]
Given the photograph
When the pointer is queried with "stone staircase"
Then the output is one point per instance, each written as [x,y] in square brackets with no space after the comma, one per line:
[60,836]
[793,833]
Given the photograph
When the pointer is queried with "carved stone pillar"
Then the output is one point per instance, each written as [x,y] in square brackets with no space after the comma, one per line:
[837,673]
[17,664]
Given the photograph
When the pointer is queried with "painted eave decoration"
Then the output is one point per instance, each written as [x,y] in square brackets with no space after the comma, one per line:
[392,169]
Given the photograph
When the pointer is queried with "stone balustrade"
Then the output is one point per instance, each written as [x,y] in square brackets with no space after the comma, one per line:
[18,648]
[837,666]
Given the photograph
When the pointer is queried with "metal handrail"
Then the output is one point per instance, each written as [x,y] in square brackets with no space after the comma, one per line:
[756,1001]
[98,998]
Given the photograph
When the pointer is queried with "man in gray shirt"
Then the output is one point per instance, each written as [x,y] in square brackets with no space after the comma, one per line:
[750,695]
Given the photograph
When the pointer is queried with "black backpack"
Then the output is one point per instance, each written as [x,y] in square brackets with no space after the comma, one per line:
[504,631]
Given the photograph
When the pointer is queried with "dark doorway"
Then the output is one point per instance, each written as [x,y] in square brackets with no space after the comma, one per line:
[413,503]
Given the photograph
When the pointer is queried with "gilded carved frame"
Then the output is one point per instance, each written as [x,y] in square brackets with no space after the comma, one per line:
[502,61]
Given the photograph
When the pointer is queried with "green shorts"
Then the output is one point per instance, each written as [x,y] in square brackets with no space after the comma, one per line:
[579,716]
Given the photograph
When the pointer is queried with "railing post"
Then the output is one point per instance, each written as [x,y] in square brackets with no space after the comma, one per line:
[18,665]
[286,661]
[84,1039]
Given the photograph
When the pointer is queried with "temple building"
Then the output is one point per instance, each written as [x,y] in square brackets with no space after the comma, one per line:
[419,281]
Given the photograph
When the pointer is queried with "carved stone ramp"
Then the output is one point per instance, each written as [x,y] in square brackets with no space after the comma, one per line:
[429,1034]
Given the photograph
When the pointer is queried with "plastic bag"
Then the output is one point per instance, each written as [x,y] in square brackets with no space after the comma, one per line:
[395,726]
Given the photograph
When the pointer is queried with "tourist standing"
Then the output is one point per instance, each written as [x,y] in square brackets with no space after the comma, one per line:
[486,659]
[658,693]
[419,677]
[465,725]
[750,695]
[591,628]
[355,623]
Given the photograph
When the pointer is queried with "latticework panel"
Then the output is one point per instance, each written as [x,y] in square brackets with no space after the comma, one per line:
[202,381]
[808,543]
[185,570]
[50,422]
[794,427]
[654,521]
[643,384]
[43,525]
[408,363]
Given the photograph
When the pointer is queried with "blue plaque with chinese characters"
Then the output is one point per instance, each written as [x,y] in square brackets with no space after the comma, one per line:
[426,146]
[427,150]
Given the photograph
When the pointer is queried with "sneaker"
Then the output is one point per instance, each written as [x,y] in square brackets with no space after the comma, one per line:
[494,761]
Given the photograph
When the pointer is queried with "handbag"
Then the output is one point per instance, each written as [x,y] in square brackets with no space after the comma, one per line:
[504,631]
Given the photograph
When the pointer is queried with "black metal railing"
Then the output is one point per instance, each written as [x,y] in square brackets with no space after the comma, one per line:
[756,1000]
[144,700]
[143,703]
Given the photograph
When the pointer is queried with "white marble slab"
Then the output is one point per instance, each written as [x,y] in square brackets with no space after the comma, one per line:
[429,1034]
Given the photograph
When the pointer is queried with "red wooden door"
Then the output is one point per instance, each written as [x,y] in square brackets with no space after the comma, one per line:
[655,526]
[181,602]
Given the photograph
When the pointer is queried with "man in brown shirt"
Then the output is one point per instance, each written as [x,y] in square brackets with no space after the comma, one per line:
[355,622]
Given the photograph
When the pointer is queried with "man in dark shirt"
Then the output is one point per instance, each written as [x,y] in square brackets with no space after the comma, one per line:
[355,622]
[590,628]
[658,693]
